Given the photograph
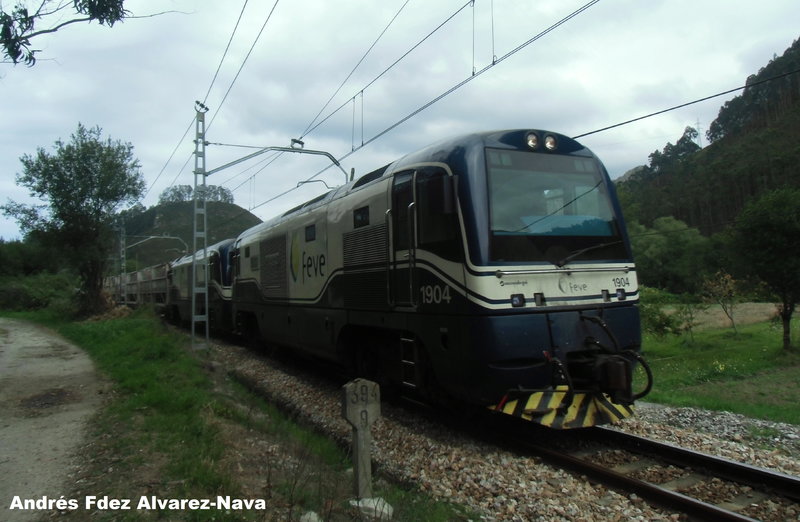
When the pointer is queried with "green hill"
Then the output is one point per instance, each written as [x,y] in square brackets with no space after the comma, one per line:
[145,231]
[708,188]
[755,148]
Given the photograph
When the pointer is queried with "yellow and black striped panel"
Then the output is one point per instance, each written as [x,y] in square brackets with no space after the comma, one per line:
[586,409]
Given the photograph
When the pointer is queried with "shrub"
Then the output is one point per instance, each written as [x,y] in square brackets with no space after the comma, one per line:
[654,320]
[37,292]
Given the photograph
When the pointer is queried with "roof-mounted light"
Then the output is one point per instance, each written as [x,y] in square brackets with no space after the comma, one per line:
[532,140]
[550,142]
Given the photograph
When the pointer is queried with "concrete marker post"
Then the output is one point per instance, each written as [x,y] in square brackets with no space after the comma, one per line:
[361,407]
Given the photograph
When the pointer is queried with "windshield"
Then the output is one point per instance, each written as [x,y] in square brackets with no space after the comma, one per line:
[545,207]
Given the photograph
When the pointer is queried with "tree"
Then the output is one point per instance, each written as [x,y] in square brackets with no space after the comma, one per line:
[721,287]
[215,193]
[176,194]
[673,155]
[181,193]
[131,213]
[19,259]
[671,256]
[18,26]
[767,238]
[767,95]
[84,183]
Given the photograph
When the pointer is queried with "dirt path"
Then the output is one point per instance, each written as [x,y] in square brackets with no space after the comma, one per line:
[48,391]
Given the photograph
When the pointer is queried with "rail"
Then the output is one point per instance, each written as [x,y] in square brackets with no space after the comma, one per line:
[768,483]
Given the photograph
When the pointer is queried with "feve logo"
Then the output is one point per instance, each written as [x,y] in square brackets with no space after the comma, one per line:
[305,265]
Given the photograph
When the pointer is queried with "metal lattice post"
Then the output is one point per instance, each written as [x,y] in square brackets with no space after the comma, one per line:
[199,259]
[199,309]
[121,298]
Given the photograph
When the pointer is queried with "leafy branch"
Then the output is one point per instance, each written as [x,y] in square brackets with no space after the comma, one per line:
[18,26]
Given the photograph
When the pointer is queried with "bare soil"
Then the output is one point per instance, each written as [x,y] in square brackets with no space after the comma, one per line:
[743,313]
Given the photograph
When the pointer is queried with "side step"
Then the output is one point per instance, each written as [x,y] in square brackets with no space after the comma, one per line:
[408,361]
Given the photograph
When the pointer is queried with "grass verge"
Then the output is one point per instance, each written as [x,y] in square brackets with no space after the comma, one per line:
[747,373]
[177,427]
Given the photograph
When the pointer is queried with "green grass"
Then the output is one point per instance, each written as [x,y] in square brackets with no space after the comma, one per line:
[164,413]
[160,434]
[156,416]
[269,419]
[162,389]
[747,373]
[311,490]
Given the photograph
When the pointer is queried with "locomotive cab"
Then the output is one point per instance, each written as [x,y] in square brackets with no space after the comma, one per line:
[551,290]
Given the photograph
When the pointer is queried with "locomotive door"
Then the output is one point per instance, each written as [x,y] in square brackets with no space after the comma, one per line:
[403,253]
[423,221]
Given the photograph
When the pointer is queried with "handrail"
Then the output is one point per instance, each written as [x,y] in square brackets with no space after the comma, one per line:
[501,273]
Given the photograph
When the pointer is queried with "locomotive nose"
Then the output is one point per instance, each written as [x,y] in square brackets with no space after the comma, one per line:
[591,365]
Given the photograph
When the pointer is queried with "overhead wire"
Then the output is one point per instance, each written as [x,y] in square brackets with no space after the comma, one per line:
[444,94]
[354,149]
[476,74]
[390,67]
[350,74]
[225,52]
[192,121]
[266,161]
[180,171]
[243,171]
[310,127]
[495,61]
[723,93]
[247,56]
[360,61]
[241,67]
[177,146]
[511,53]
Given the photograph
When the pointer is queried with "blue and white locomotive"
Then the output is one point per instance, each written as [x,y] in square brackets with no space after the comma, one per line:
[490,269]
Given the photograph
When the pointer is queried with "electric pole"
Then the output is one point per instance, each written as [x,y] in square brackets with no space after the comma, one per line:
[199,309]
[199,253]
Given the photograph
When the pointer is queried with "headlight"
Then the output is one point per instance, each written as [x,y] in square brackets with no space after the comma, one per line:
[532,140]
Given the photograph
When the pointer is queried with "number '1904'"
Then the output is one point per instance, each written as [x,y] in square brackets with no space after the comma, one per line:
[621,282]
[435,294]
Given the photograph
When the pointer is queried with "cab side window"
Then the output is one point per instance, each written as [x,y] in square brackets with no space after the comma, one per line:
[437,219]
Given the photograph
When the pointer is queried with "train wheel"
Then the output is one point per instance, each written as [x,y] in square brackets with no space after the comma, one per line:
[367,363]
[371,361]
[429,384]
[247,326]
[432,392]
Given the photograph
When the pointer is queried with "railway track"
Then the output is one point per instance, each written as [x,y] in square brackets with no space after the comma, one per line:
[699,485]
[476,470]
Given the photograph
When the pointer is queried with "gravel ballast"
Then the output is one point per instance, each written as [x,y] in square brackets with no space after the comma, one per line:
[498,484]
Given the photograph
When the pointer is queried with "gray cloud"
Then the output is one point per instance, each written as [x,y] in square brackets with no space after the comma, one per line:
[618,60]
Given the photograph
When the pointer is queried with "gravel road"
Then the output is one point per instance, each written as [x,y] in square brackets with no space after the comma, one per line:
[48,391]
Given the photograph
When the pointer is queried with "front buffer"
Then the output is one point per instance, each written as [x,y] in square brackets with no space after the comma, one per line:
[550,409]
[585,378]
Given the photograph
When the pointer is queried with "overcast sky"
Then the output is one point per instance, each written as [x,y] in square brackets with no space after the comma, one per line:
[138,81]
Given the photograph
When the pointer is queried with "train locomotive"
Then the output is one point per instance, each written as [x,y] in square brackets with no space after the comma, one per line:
[490,269]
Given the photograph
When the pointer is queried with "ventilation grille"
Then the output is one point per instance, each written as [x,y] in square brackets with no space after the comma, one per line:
[365,247]
[273,267]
